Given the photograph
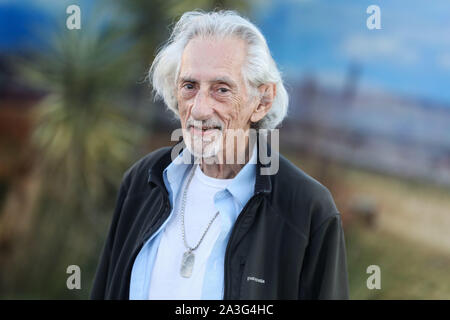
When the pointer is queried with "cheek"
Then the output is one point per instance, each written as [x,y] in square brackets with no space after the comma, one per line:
[229,113]
[238,112]
[183,111]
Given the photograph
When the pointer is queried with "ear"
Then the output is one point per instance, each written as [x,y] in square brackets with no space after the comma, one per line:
[267,93]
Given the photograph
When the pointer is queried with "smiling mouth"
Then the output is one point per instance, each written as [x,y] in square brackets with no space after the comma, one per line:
[203,130]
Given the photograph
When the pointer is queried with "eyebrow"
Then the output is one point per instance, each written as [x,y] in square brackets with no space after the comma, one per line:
[224,79]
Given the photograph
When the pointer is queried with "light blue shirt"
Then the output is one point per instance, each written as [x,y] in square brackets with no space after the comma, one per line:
[230,202]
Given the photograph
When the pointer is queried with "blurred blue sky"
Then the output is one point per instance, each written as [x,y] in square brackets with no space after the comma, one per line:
[410,55]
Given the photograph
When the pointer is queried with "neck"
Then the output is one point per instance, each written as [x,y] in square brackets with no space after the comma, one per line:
[222,170]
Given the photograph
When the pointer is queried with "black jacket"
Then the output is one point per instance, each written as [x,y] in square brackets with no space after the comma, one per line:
[287,243]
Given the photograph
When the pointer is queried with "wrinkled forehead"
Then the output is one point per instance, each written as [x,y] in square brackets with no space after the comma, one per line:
[210,58]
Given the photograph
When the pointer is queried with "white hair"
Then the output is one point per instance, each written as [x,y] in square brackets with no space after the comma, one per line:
[260,68]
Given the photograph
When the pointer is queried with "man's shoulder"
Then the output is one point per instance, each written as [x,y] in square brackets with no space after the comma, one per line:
[298,181]
[300,198]
[148,161]
[138,171]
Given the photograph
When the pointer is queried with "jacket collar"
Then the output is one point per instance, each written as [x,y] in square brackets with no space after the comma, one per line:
[263,183]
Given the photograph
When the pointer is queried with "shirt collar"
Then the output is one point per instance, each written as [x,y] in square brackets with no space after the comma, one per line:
[239,187]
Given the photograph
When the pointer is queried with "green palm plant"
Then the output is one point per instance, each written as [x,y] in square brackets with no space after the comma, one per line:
[84,128]
[85,137]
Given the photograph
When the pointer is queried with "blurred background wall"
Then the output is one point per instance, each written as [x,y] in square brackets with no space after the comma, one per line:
[369,118]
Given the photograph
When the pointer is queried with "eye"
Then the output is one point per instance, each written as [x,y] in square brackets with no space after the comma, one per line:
[223,90]
[188,86]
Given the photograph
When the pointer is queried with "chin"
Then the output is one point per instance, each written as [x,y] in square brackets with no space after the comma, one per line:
[202,149]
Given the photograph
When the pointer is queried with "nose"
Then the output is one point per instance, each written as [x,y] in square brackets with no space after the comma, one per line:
[202,108]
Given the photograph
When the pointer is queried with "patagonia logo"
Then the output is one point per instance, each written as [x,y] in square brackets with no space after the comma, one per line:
[256,279]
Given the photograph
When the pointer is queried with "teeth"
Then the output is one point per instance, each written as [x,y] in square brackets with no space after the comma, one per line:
[206,128]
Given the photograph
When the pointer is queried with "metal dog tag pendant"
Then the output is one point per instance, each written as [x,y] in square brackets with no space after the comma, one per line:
[187,264]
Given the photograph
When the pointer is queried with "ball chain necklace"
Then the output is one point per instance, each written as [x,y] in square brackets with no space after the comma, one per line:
[187,263]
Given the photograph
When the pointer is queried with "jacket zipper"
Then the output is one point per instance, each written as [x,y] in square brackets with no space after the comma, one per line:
[164,206]
[227,278]
[241,272]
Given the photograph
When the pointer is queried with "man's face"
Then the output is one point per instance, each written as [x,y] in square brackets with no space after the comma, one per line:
[211,93]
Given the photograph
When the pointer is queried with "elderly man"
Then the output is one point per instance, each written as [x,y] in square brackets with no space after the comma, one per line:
[215,227]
